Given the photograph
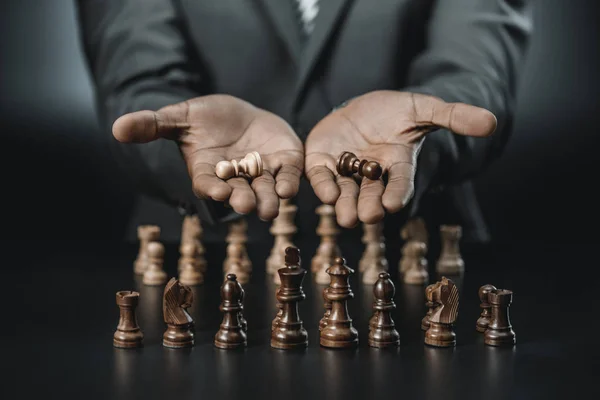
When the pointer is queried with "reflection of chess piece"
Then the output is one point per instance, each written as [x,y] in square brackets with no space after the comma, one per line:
[146,234]
[238,235]
[128,334]
[250,166]
[283,230]
[450,261]
[486,308]
[231,334]
[373,261]
[441,321]
[499,331]
[190,273]
[416,272]
[413,231]
[382,331]
[176,299]
[328,248]
[425,321]
[154,274]
[192,231]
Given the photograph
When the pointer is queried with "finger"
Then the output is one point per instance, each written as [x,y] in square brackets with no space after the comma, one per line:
[288,181]
[206,185]
[460,118]
[345,206]
[147,126]
[267,201]
[400,186]
[242,199]
[323,183]
[370,208]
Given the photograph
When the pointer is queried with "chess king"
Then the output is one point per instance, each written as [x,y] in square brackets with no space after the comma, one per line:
[177,298]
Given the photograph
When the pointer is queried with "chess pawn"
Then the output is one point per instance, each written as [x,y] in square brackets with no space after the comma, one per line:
[234,262]
[349,164]
[282,229]
[155,275]
[231,334]
[486,308]
[146,234]
[328,249]
[425,321]
[382,330]
[499,331]
[373,260]
[250,166]
[327,306]
[444,295]
[450,261]
[238,235]
[191,232]
[190,274]
[128,334]
[289,332]
[177,299]
[339,332]
[416,273]
[413,230]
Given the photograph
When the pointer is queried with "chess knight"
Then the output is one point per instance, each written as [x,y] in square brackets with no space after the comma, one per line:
[177,298]
[444,296]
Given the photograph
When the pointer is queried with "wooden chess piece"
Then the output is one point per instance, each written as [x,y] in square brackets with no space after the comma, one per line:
[279,307]
[349,164]
[450,261]
[416,273]
[425,321]
[441,329]
[238,236]
[241,318]
[190,274]
[250,166]
[373,261]
[146,234]
[382,330]
[327,306]
[231,334]
[289,332]
[499,331]
[128,334]
[191,232]
[282,229]
[339,332]
[176,299]
[328,248]
[486,308]
[154,274]
[413,231]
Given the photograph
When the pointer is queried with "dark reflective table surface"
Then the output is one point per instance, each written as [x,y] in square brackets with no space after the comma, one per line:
[60,313]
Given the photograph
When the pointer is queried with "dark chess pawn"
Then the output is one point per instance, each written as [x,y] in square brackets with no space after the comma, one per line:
[231,334]
[176,299]
[499,331]
[382,330]
[339,332]
[327,306]
[441,329]
[425,321]
[128,334]
[349,164]
[289,333]
[486,308]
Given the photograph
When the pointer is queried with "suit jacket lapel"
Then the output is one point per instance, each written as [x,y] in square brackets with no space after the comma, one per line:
[285,22]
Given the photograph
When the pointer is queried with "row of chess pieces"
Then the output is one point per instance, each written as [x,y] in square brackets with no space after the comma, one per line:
[335,327]
[192,264]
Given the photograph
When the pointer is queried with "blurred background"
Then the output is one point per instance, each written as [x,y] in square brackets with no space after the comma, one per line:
[59,180]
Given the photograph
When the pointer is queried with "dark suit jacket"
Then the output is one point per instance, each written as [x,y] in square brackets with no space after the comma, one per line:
[145,54]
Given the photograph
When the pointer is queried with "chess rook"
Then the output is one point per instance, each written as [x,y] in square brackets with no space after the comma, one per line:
[128,334]
[349,164]
[154,274]
[425,321]
[339,332]
[382,330]
[250,166]
[146,234]
[289,332]
[231,334]
[177,298]
[450,261]
[486,309]
[499,331]
[444,295]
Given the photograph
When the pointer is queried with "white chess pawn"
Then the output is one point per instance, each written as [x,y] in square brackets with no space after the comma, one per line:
[416,263]
[154,274]
[251,165]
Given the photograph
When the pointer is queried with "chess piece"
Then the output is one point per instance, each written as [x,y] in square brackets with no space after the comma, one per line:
[231,334]
[486,309]
[413,231]
[238,236]
[191,232]
[441,329]
[289,332]
[499,331]
[279,307]
[349,164]
[327,306]
[250,166]
[328,248]
[425,321]
[382,330]
[154,274]
[146,234]
[339,332]
[282,229]
[241,318]
[373,261]
[176,299]
[416,273]
[190,274]
[450,261]
[128,334]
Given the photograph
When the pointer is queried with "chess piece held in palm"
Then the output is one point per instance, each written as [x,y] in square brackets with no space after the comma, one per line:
[177,299]
[231,334]
[499,331]
[382,331]
[251,166]
[349,164]
[128,334]
[444,294]
[486,308]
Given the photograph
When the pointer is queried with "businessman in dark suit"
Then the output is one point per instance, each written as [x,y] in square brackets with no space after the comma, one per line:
[417,85]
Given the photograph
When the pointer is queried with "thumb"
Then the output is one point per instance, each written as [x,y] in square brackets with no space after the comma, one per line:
[147,126]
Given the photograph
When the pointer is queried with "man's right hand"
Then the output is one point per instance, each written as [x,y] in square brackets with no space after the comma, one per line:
[213,128]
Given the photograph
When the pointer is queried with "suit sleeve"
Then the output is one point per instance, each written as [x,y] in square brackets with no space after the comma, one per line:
[140,58]
[473,55]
